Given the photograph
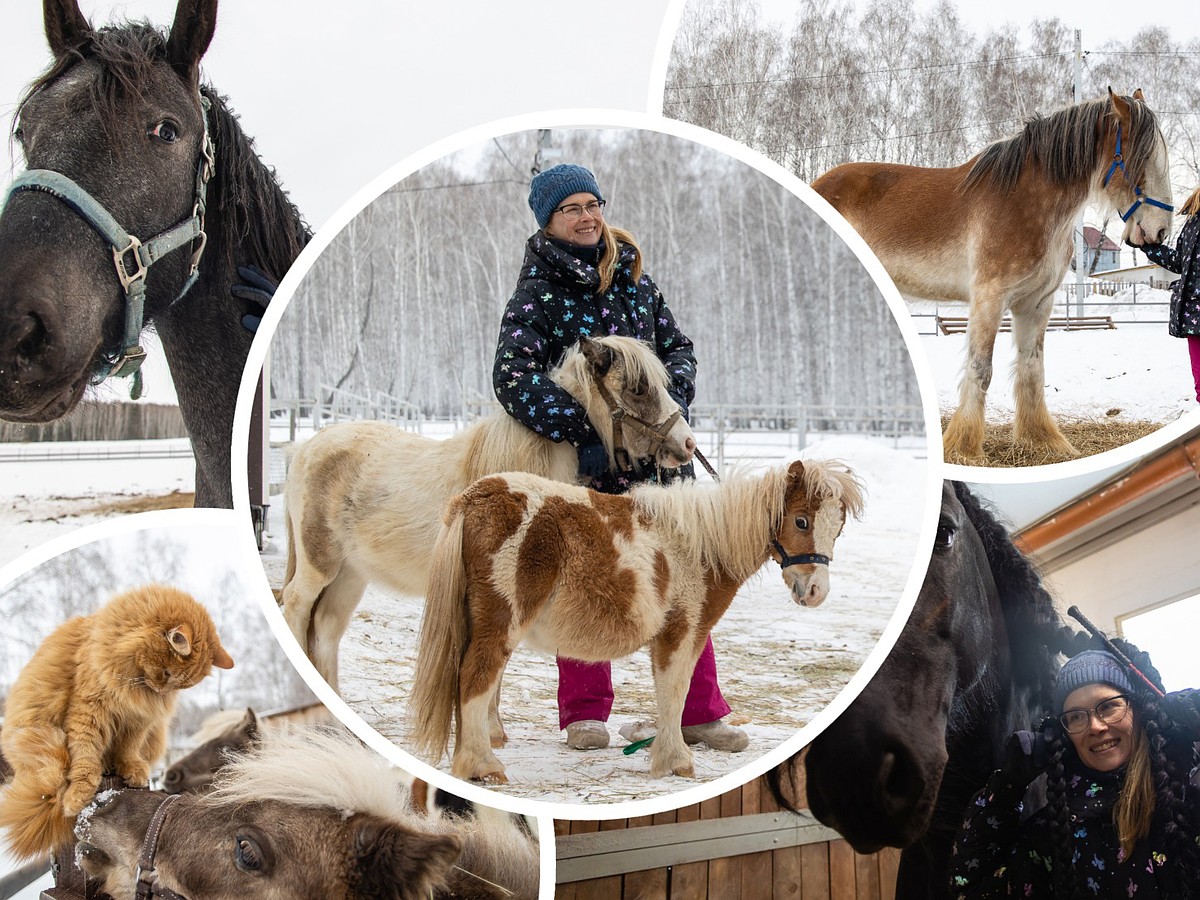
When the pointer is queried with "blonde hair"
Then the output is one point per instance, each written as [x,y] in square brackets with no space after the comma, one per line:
[1135,805]
[613,238]
[1191,205]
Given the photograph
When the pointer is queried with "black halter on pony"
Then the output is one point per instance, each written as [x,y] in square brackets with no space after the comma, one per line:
[147,886]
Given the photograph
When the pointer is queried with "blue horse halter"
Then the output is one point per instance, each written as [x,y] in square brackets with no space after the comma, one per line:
[128,359]
[1119,163]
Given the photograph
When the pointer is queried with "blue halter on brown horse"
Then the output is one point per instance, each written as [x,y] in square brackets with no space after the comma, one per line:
[142,196]
[975,662]
[997,234]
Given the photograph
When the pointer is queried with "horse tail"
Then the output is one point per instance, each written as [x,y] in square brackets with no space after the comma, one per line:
[443,636]
[32,814]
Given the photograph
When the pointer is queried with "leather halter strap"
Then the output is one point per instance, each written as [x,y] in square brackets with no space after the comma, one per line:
[621,416]
[1141,196]
[126,247]
[147,886]
[800,559]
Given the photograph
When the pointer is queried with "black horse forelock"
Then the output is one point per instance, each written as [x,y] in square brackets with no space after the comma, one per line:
[259,220]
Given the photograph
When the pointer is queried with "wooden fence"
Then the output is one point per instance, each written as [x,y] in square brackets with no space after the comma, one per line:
[736,845]
[104,422]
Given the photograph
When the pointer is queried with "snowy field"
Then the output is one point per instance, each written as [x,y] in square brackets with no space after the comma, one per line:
[1134,372]
[41,499]
[779,664]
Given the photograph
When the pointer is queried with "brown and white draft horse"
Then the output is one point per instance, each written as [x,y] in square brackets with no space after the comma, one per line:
[313,815]
[365,499]
[594,577]
[996,232]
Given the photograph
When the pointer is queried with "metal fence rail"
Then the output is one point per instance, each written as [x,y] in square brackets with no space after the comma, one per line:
[174,448]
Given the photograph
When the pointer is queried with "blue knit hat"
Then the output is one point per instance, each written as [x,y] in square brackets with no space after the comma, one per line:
[548,189]
[1089,667]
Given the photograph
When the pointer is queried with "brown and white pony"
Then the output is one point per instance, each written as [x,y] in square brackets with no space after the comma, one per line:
[365,499]
[594,577]
[310,816]
[996,232]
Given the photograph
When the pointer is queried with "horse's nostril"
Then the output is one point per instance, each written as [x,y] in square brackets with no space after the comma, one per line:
[690,445]
[172,776]
[30,337]
[900,782]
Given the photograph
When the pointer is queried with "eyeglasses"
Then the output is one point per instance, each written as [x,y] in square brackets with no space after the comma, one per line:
[1110,712]
[573,211]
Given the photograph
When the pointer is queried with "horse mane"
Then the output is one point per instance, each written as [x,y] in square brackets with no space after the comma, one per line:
[216,725]
[1037,634]
[323,767]
[728,526]
[260,222]
[1067,145]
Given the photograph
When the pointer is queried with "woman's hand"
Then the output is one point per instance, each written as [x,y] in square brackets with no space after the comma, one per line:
[593,460]
[1026,756]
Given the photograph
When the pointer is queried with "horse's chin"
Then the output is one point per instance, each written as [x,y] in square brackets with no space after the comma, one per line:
[40,408]
[667,460]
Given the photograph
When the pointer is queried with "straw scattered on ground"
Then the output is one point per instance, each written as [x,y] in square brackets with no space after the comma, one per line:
[1088,434]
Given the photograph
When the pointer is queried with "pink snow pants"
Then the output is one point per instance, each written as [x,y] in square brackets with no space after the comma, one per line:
[1193,342]
[585,691]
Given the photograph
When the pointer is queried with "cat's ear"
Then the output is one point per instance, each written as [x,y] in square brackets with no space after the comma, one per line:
[180,639]
[221,659]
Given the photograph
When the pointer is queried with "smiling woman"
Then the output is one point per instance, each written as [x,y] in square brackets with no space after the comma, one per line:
[1119,818]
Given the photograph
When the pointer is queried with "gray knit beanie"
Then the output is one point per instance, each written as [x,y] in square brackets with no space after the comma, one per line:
[548,189]
[1089,667]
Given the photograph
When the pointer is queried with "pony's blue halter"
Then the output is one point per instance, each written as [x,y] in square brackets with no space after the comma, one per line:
[1119,163]
[127,361]
[800,559]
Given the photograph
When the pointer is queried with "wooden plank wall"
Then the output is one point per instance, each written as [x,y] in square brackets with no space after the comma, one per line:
[822,871]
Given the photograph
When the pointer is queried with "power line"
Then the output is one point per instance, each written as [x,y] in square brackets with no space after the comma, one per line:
[397,189]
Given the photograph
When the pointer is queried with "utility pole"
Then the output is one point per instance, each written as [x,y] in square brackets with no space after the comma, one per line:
[546,151]
[1080,248]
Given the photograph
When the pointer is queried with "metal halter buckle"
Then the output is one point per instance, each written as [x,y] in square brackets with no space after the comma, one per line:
[119,259]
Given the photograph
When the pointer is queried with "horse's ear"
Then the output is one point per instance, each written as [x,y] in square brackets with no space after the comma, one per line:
[391,862]
[192,31]
[795,475]
[1119,104]
[1138,95]
[598,356]
[249,724]
[66,26]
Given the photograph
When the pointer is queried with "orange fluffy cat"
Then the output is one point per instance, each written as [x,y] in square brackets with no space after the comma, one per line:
[96,698]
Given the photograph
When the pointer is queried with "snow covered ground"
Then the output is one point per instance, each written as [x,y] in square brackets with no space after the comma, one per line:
[42,499]
[1134,372]
[779,664]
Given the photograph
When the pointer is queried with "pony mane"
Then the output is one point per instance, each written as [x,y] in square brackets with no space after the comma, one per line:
[728,526]
[216,725]
[1067,144]
[636,357]
[317,767]
[259,219]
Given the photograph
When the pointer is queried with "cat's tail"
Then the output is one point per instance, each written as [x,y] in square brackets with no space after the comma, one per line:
[443,635]
[31,809]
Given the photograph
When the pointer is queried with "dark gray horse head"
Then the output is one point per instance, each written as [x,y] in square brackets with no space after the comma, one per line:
[119,117]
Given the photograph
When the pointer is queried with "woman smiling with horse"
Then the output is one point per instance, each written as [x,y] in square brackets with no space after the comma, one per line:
[582,277]
[1122,817]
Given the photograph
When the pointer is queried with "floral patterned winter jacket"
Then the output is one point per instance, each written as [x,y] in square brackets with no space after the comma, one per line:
[1184,260]
[999,855]
[555,303]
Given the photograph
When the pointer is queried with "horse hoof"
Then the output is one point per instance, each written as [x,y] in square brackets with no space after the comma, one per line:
[493,778]
[499,742]
[684,771]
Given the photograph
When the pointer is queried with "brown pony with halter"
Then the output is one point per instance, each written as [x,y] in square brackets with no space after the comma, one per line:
[594,577]
[998,236]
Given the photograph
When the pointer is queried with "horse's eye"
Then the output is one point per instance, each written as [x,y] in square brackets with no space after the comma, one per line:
[248,855]
[19,135]
[802,523]
[165,131]
[944,539]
